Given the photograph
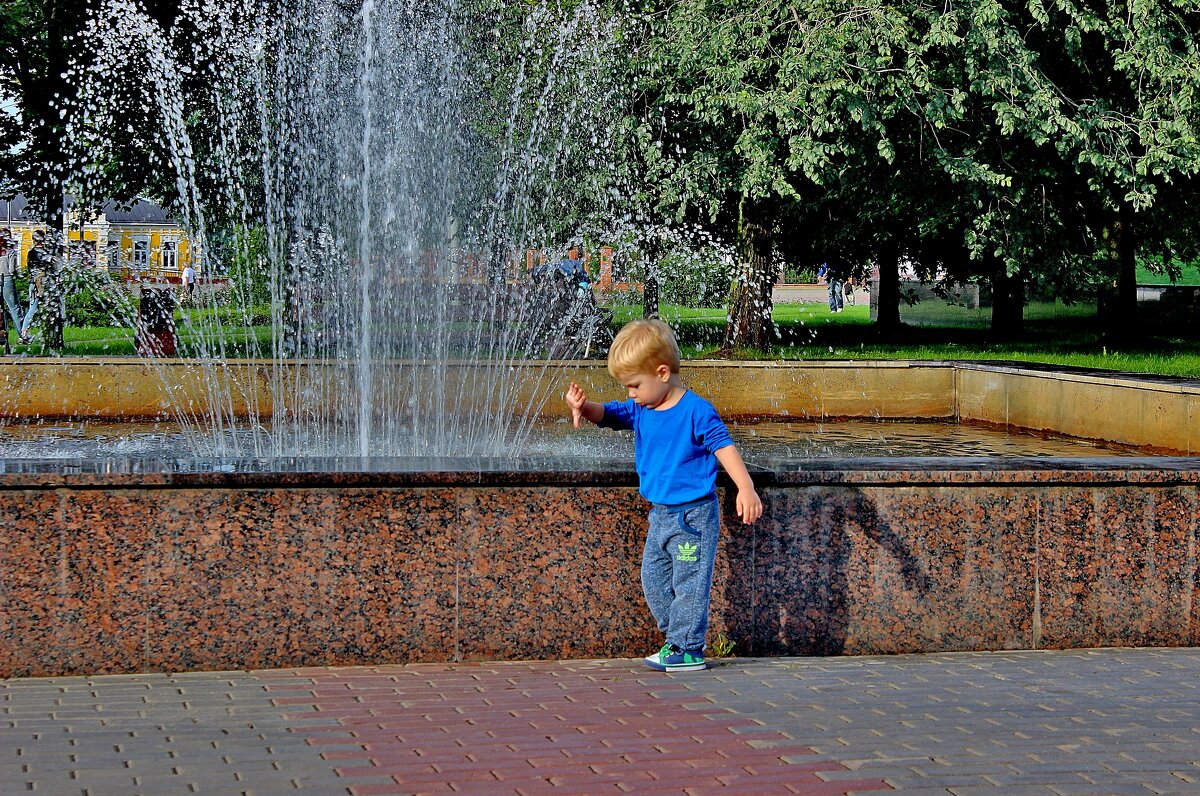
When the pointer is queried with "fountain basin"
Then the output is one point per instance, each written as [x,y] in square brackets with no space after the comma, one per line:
[321,562]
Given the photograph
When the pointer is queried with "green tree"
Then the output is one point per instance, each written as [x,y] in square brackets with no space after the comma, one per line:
[35,40]
[775,114]
[1008,142]
[1130,75]
[543,86]
[1068,122]
[46,60]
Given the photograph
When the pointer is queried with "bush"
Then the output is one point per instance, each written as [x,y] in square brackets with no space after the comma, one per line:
[799,275]
[92,299]
[241,253]
[694,281]
[101,305]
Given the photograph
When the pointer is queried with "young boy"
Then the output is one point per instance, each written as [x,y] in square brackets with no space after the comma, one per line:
[678,440]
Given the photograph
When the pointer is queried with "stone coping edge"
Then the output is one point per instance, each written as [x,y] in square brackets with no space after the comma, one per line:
[1171,384]
[925,471]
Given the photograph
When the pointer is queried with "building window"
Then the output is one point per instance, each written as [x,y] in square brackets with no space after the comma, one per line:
[112,254]
[169,259]
[141,254]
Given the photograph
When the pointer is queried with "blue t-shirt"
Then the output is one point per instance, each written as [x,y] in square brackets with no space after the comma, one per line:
[673,448]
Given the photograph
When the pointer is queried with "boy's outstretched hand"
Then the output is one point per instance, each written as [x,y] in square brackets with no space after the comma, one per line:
[576,400]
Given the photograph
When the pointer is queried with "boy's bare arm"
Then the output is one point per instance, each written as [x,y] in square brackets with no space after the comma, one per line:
[581,407]
[749,505]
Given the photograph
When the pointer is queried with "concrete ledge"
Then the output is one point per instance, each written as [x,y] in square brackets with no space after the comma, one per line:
[1158,414]
[132,388]
[229,571]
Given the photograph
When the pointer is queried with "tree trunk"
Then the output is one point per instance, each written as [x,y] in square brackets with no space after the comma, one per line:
[54,320]
[1127,267]
[1008,299]
[888,302]
[749,324]
[1117,299]
[650,284]
[650,295]
[46,95]
[49,95]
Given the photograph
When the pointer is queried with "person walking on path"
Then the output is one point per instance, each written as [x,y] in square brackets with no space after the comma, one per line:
[9,255]
[834,280]
[189,282]
[40,265]
[678,440]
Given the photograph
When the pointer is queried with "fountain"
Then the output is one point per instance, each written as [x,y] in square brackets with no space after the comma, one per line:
[399,177]
[352,495]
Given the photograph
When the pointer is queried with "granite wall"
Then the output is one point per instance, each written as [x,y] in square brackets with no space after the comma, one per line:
[171,572]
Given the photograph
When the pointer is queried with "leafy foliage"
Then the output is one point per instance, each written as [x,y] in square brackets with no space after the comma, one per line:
[981,140]
[100,306]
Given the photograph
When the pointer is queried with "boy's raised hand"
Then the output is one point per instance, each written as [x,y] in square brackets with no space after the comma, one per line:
[575,399]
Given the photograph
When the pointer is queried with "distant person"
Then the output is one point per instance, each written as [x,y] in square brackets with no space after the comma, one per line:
[10,255]
[834,280]
[573,268]
[569,268]
[678,440]
[189,282]
[40,265]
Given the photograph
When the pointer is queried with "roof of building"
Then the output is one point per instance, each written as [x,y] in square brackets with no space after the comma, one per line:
[140,211]
[15,209]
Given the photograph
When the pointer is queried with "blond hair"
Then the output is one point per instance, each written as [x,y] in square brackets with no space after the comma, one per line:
[641,346]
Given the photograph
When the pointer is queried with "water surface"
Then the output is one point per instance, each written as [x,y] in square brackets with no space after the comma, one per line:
[161,445]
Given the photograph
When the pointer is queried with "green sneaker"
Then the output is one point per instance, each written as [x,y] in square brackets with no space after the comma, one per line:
[672,659]
[653,659]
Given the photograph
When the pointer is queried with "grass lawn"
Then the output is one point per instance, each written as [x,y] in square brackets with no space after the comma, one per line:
[1190,275]
[82,341]
[115,341]
[1054,335]
[1181,359]
[1052,342]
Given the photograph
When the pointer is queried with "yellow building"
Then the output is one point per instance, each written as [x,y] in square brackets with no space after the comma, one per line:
[140,242]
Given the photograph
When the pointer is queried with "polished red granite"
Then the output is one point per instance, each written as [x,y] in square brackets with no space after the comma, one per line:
[173,571]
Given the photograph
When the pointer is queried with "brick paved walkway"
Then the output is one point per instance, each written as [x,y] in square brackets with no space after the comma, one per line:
[1083,722]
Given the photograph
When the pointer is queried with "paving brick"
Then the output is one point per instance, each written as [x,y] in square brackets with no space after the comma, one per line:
[267,786]
[925,724]
[577,782]
[395,788]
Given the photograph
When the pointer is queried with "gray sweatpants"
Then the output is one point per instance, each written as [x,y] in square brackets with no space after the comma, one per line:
[677,569]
